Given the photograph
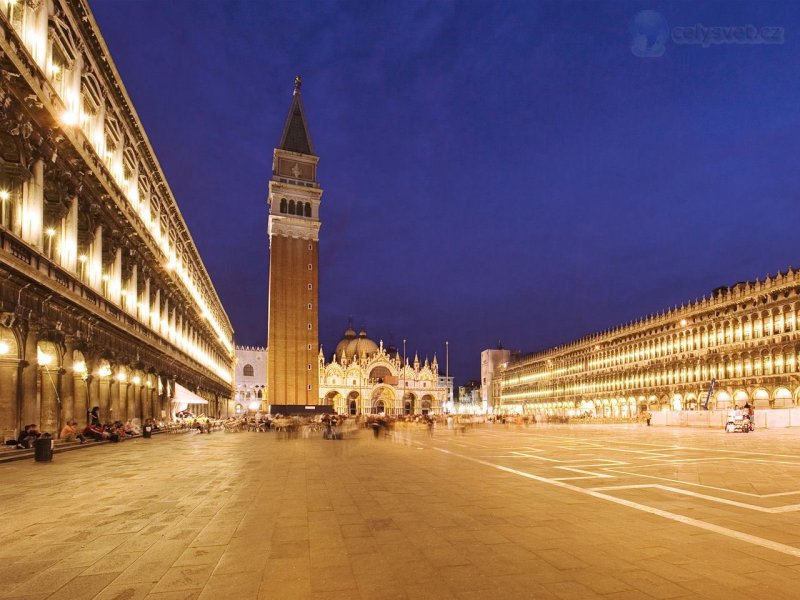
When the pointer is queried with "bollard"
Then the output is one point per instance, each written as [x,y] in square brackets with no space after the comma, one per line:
[43,449]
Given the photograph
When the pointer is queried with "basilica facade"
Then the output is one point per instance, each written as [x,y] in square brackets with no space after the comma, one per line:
[363,377]
[739,345]
[104,299]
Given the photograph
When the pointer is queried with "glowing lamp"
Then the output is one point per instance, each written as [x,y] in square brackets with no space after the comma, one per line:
[4,348]
[43,358]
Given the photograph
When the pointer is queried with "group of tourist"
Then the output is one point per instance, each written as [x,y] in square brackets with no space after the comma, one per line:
[27,437]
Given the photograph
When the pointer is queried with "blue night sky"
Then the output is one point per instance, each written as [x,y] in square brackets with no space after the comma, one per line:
[492,170]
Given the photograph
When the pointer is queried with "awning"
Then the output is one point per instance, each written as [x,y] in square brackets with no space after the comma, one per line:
[184,396]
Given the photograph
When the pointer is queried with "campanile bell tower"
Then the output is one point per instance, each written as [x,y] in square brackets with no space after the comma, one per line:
[293,229]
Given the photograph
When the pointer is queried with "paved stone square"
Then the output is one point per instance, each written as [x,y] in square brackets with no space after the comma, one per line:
[543,512]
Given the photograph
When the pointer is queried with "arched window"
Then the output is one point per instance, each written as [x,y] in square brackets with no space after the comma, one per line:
[308,209]
[248,371]
[291,207]
[260,394]
[283,205]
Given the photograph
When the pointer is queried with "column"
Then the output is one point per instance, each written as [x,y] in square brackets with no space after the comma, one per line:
[144,304]
[68,382]
[9,391]
[103,397]
[68,247]
[114,394]
[152,396]
[80,411]
[124,408]
[114,289]
[155,312]
[132,292]
[94,267]
[131,403]
[49,377]
[29,376]
[33,205]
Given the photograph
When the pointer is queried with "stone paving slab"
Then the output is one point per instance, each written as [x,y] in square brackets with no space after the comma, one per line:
[544,512]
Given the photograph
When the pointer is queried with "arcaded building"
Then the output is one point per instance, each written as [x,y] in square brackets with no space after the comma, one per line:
[739,345]
[104,298]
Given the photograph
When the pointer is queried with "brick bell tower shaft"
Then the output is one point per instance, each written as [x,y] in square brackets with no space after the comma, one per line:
[293,230]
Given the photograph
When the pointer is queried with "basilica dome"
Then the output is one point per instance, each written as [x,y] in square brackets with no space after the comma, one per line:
[355,345]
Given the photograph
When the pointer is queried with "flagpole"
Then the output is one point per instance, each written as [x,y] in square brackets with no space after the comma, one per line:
[403,371]
[447,369]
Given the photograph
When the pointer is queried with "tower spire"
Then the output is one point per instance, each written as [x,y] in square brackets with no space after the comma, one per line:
[295,136]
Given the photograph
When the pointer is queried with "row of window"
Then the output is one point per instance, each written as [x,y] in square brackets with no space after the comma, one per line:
[702,373]
[295,208]
[711,337]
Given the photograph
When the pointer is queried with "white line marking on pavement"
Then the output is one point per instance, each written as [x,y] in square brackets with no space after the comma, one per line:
[691,483]
[774,510]
[593,474]
[731,533]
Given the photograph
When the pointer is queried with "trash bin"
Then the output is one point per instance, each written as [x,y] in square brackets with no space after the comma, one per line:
[43,449]
[148,432]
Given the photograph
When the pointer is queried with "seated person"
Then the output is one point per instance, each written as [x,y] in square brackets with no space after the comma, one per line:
[95,432]
[69,433]
[30,435]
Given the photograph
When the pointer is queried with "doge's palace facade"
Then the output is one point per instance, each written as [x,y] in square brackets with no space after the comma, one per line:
[104,298]
[744,339]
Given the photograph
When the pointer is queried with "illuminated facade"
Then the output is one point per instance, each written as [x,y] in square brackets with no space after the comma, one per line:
[294,202]
[743,338]
[104,298]
[251,377]
[491,362]
[364,378]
